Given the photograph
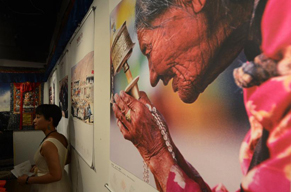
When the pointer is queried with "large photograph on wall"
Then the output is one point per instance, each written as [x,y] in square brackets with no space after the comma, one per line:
[200,88]
[81,116]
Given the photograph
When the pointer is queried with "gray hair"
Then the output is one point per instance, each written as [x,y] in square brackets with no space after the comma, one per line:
[148,10]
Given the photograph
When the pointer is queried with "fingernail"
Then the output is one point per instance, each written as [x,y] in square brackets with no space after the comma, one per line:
[118,123]
[122,93]
[115,96]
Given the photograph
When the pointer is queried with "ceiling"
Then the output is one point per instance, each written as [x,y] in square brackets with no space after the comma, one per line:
[27,31]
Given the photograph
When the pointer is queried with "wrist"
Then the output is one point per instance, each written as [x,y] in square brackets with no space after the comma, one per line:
[160,166]
[161,163]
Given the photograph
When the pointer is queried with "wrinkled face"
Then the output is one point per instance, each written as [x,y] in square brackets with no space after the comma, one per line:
[40,123]
[183,49]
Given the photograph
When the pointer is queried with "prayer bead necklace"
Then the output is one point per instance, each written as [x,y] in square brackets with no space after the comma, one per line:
[164,134]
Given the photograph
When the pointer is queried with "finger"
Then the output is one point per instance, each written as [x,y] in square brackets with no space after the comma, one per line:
[144,98]
[128,100]
[237,77]
[123,130]
[257,59]
[120,117]
[132,105]
[122,105]
[118,113]
[120,102]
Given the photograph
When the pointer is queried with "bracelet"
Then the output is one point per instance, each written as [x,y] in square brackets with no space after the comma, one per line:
[26,182]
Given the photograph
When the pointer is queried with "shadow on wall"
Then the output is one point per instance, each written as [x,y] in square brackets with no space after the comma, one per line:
[75,172]
[74,167]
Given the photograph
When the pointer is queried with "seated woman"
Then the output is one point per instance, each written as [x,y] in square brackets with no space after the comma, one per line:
[52,154]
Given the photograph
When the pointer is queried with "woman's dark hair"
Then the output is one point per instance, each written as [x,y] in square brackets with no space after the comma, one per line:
[50,110]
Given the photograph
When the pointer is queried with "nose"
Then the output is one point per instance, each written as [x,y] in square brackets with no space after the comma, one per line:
[153,78]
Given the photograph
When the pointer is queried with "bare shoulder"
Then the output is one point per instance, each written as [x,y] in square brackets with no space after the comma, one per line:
[61,138]
[48,148]
[48,145]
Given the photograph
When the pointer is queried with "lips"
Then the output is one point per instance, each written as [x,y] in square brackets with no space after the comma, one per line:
[175,84]
[166,80]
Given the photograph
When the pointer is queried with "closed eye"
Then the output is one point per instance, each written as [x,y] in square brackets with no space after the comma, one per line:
[146,49]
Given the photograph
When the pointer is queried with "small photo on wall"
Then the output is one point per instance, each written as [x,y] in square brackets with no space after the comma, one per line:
[50,95]
[53,93]
[82,89]
[63,96]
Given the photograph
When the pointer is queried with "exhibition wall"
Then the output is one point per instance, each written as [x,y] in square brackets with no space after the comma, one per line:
[23,150]
[101,159]
[114,164]
[85,177]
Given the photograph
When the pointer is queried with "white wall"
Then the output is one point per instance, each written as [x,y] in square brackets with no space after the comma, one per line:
[26,144]
[84,179]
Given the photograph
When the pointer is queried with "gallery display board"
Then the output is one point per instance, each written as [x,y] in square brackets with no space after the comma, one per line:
[63,71]
[194,128]
[81,116]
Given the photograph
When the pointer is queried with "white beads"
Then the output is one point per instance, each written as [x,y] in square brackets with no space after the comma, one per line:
[164,134]
[146,173]
[162,129]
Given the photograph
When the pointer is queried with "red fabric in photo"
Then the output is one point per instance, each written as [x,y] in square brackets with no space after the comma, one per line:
[276,28]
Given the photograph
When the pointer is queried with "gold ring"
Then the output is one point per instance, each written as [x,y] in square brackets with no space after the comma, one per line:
[127,116]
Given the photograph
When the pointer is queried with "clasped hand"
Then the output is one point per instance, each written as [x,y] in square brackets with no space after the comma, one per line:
[138,125]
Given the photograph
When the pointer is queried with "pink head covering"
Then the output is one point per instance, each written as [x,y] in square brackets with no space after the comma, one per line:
[276,28]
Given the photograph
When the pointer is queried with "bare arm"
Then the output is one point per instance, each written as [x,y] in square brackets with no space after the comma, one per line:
[50,153]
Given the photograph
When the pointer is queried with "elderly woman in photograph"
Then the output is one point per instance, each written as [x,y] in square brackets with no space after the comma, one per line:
[192,42]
